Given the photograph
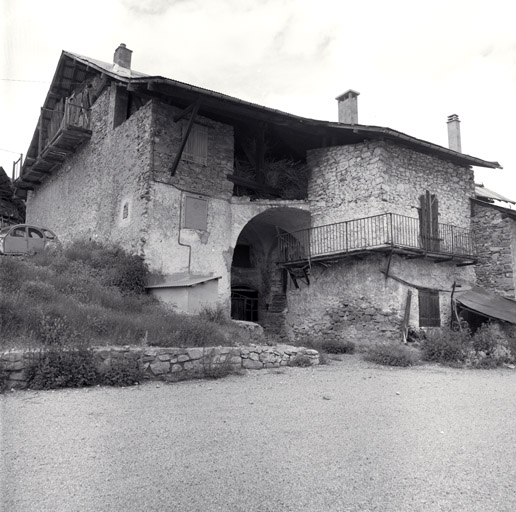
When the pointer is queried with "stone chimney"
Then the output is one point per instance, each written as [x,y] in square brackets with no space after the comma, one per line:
[454,133]
[348,107]
[122,56]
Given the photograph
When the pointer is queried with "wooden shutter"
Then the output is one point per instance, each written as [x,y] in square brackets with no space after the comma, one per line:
[429,221]
[429,309]
[196,148]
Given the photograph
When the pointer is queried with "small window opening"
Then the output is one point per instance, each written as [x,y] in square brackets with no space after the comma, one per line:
[242,256]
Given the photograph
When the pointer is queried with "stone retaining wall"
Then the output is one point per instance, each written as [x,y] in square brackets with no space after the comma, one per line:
[168,364]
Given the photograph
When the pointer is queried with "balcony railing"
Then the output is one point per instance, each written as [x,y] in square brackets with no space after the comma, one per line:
[66,115]
[388,230]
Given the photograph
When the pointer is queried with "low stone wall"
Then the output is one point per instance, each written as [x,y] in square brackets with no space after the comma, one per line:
[169,364]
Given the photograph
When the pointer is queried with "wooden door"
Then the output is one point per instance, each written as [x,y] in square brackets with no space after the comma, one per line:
[16,240]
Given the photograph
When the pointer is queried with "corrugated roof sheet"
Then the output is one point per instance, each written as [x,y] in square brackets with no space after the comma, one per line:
[115,69]
[483,192]
[488,304]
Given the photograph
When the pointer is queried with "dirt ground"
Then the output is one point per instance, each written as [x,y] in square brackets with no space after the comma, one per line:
[350,436]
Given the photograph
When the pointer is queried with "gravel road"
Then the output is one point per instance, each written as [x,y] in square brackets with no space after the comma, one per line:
[350,436]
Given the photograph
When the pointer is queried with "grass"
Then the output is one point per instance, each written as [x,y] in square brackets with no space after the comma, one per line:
[88,294]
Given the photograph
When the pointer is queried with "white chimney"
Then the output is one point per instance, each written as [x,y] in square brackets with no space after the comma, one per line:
[348,107]
[454,133]
[122,56]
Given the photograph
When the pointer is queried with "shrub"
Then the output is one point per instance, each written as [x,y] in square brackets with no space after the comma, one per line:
[393,355]
[216,314]
[122,372]
[490,347]
[217,366]
[192,331]
[333,346]
[301,360]
[111,264]
[62,369]
[446,346]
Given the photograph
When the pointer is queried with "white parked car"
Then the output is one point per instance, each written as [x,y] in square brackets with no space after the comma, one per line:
[23,238]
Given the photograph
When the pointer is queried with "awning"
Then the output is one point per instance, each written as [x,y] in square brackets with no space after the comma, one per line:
[487,304]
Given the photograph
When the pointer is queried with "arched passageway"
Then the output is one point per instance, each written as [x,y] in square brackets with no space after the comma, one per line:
[258,284]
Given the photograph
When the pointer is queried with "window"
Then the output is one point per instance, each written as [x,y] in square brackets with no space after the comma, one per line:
[196,148]
[196,213]
[35,233]
[242,256]
[429,309]
[18,232]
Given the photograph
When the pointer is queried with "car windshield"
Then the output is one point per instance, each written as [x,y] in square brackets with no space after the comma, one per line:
[4,231]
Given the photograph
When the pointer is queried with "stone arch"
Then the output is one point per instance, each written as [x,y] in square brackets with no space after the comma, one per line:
[254,262]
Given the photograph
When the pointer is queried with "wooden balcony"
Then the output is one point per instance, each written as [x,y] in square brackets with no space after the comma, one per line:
[388,232]
[61,131]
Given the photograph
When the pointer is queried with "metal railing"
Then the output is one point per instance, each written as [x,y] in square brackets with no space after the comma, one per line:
[385,230]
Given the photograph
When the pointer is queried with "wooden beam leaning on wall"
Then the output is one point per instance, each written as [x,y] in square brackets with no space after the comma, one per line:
[194,108]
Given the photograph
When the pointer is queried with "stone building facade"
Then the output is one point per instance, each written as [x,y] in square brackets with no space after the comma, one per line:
[495,231]
[203,186]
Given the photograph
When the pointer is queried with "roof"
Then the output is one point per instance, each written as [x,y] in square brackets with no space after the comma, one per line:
[179,281]
[488,304]
[74,69]
[482,192]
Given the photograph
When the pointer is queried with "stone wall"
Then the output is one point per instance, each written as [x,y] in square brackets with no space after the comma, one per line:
[495,236]
[361,180]
[353,300]
[193,177]
[101,192]
[169,364]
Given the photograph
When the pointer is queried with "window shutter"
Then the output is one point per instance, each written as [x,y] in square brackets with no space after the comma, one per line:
[196,213]
[196,147]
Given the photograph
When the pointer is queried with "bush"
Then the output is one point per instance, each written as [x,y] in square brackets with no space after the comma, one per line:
[337,346]
[490,347]
[216,314]
[111,265]
[446,346]
[301,360]
[186,331]
[62,369]
[393,355]
[122,372]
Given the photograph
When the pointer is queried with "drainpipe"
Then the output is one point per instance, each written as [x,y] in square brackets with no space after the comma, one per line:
[179,232]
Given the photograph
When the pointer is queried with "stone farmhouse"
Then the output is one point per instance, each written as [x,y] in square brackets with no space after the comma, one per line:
[304,226]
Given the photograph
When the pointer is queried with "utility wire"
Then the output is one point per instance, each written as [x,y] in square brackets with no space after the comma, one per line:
[39,81]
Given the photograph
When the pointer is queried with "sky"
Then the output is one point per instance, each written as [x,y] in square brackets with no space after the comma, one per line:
[414,63]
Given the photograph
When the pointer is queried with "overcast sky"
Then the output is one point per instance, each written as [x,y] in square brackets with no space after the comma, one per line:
[413,62]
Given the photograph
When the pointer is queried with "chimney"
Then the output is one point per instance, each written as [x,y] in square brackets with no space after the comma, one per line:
[348,107]
[122,56]
[454,133]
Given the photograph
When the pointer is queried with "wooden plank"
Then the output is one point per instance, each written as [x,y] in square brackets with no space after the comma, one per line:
[173,169]
[253,185]
[260,153]
[406,318]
